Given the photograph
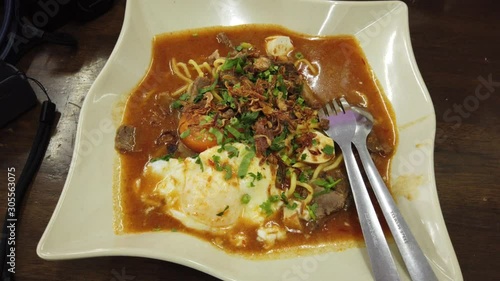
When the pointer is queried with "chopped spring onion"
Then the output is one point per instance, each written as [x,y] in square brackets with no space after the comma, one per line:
[245,198]
[218,135]
[185,134]
[234,132]
[245,163]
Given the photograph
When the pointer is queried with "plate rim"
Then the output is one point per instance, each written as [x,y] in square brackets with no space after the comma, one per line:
[46,253]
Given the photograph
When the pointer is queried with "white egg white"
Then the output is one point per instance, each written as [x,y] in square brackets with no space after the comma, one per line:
[205,198]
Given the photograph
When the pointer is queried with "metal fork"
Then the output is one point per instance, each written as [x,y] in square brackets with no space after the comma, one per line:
[342,130]
[415,261]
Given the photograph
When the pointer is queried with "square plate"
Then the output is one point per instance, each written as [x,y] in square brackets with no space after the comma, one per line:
[82,223]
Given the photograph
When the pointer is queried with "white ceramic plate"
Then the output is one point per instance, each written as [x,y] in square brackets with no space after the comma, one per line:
[82,224]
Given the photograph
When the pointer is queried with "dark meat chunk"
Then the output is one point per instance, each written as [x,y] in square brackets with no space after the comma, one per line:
[125,139]
[324,124]
[304,140]
[224,39]
[291,71]
[265,136]
[335,200]
[215,55]
[168,139]
[376,146]
[199,83]
[228,114]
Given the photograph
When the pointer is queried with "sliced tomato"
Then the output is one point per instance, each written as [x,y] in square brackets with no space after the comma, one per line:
[194,135]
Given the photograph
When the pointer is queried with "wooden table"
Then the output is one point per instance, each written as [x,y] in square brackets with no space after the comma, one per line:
[457,47]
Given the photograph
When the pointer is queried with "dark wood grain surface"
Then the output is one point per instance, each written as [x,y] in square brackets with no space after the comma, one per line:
[457,47]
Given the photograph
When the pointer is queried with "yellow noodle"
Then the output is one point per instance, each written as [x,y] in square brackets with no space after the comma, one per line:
[307,127]
[190,87]
[180,90]
[196,67]
[207,67]
[288,145]
[177,72]
[185,68]
[318,170]
[218,63]
[293,184]
[263,136]
[313,70]
[299,165]
[309,189]
[335,164]
[216,95]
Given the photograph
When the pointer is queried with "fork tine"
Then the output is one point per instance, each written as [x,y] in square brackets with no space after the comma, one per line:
[345,104]
[328,109]
[337,107]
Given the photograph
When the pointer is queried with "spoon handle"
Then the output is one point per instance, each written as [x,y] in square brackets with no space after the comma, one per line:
[416,263]
[383,266]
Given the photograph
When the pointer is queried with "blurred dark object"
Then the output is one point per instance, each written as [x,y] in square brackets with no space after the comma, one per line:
[16,94]
[53,14]
[28,23]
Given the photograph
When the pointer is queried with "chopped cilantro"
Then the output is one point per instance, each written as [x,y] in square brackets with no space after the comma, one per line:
[249,117]
[231,151]
[220,214]
[279,142]
[328,184]
[184,97]
[202,91]
[177,104]
[232,63]
[298,196]
[328,149]
[164,158]
[283,198]
[303,177]
[255,177]
[274,198]
[312,210]
[227,99]
[198,161]
[267,207]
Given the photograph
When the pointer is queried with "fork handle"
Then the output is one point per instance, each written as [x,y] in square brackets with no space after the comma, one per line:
[414,258]
[383,266]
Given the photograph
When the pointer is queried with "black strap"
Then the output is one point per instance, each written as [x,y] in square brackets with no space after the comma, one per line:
[47,117]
